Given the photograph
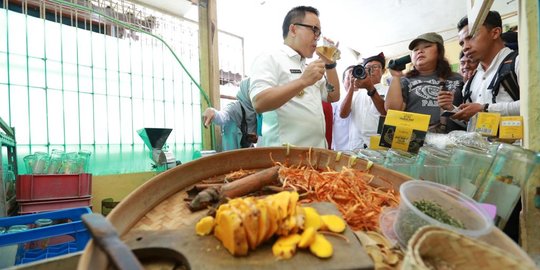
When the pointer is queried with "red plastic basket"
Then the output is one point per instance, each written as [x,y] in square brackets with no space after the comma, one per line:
[49,205]
[35,187]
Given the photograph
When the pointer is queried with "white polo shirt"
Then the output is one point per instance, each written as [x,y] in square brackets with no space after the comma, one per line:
[300,121]
[504,105]
[340,128]
[364,117]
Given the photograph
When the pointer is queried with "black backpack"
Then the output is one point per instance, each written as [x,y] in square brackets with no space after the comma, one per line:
[244,141]
[505,75]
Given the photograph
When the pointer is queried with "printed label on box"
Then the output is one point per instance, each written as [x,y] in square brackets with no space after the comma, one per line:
[511,127]
[404,130]
[488,123]
[374,143]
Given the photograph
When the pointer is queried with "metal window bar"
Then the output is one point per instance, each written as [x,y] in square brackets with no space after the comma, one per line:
[80,75]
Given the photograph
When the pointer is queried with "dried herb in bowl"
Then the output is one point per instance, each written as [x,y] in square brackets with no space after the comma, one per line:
[435,211]
[408,221]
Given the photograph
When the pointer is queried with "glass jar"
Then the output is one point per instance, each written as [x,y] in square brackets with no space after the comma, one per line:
[16,251]
[476,161]
[39,223]
[372,155]
[508,174]
[401,161]
[429,155]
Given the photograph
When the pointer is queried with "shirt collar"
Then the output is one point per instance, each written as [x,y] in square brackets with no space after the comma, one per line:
[496,60]
[292,53]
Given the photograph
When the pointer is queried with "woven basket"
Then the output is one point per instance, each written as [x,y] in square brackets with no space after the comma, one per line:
[155,206]
[438,248]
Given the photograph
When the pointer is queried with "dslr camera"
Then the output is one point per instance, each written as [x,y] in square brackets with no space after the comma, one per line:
[359,72]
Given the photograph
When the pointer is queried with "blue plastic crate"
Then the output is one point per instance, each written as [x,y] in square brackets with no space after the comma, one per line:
[67,234]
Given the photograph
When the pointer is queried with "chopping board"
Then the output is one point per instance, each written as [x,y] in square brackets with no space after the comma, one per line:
[207,252]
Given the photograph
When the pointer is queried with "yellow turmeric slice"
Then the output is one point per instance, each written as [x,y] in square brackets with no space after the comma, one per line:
[230,231]
[312,218]
[285,246]
[283,251]
[205,226]
[307,237]
[333,223]
[321,247]
[281,201]
[250,219]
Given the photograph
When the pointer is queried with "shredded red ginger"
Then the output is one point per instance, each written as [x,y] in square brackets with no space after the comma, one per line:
[359,202]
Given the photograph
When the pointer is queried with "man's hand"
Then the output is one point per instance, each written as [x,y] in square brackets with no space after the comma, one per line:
[208,116]
[366,83]
[467,110]
[445,99]
[313,72]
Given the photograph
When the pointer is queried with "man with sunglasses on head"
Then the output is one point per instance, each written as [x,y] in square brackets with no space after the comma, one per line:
[482,93]
[287,91]
[364,102]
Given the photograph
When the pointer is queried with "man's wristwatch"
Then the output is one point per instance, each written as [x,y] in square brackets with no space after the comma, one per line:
[486,106]
[371,92]
[331,66]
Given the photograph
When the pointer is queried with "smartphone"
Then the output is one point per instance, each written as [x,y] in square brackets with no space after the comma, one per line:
[447,113]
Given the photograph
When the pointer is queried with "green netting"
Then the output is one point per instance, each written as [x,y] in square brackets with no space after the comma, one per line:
[75,78]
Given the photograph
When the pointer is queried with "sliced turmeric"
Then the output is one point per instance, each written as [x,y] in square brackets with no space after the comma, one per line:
[230,231]
[312,218]
[333,223]
[321,247]
[283,251]
[205,225]
[285,246]
[307,237]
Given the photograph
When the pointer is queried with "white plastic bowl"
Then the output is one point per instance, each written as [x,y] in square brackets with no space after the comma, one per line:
[409,219]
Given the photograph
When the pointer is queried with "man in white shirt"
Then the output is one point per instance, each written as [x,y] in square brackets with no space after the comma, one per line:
[487,47]
[340,127]
[364,102]
[288,92]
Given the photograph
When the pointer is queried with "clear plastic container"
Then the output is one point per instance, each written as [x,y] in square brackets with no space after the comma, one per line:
[508,174]
[475,219]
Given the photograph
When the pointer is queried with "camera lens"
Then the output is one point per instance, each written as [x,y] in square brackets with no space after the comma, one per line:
[359,72]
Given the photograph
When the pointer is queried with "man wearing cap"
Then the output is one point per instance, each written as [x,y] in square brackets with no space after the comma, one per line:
[418,89]
[364,102]
[487,47]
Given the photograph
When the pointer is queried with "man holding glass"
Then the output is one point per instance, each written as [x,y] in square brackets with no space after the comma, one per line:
[287,91]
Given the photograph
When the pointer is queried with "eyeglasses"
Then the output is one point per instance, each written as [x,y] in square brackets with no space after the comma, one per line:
[316,30]
[373,67]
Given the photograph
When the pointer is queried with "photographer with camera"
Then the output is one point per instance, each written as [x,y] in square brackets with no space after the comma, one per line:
[364,102]
[418,89]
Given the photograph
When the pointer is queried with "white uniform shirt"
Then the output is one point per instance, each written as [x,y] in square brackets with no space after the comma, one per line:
[340,128]
[505,105]
[300,121]
[364,117]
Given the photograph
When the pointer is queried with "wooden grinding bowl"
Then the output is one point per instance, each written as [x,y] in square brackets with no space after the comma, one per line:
[157,211]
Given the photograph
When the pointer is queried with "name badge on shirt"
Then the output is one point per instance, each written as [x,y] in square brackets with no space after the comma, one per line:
[295,71]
